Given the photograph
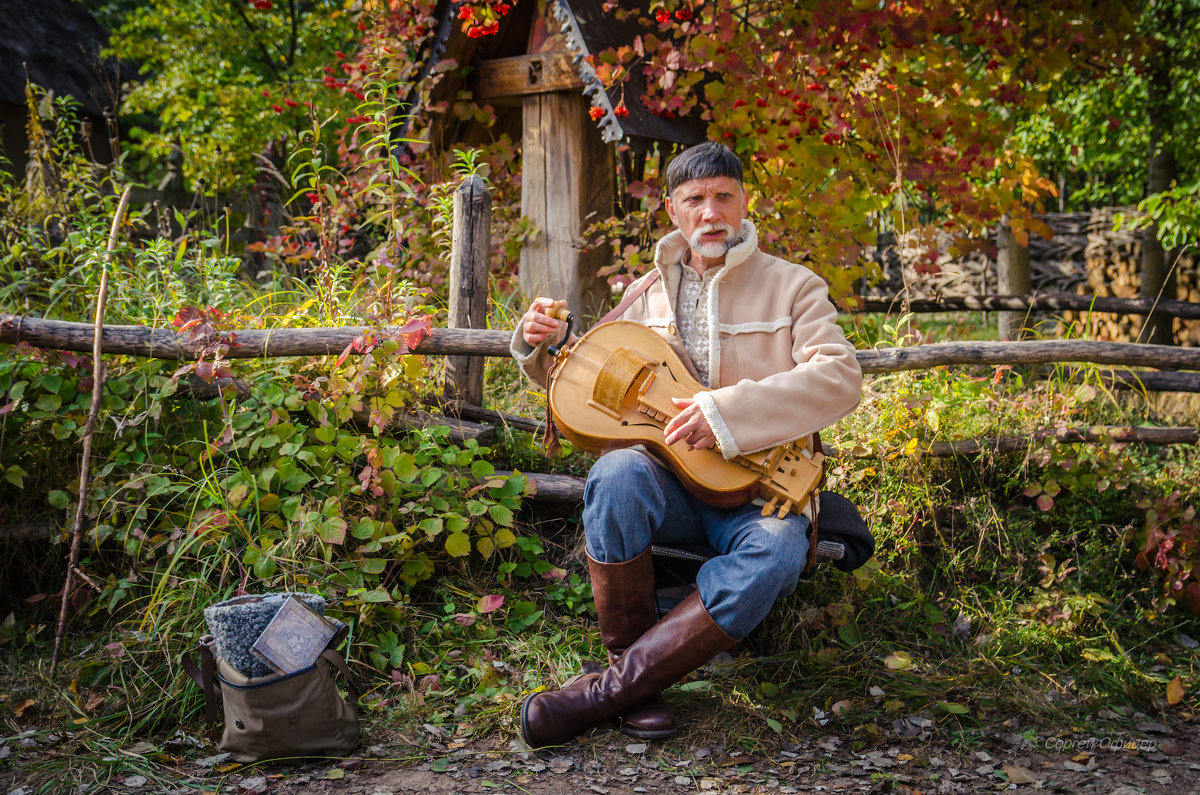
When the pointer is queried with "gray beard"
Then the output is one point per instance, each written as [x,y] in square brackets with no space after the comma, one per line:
[713,250]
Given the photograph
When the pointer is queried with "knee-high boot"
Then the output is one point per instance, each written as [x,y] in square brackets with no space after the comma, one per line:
[624,594]
[686,638]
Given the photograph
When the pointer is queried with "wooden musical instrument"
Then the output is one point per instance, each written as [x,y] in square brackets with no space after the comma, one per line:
[612,388]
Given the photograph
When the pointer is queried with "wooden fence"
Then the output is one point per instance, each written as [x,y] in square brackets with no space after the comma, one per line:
[1177,369]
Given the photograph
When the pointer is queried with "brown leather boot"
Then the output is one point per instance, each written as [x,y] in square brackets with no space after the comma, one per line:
[624,594]
[686,638]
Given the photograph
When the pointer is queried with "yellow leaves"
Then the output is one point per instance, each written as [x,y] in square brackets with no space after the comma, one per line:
[1175,691]
[21,707]
[898,661]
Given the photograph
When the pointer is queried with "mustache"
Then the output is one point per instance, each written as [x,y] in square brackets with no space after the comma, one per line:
[697,234]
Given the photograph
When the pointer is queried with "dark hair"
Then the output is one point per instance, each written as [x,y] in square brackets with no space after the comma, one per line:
[703,161]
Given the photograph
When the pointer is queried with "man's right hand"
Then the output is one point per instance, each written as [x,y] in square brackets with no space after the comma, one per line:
[536,325]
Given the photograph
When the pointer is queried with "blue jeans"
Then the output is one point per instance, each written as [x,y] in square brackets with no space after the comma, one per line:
[631,502]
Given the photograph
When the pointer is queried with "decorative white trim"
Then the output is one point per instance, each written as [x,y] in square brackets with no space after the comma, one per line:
[735,257]
[767,326]
[725,442]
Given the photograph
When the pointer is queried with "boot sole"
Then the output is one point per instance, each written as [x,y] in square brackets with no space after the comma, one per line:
[644,734]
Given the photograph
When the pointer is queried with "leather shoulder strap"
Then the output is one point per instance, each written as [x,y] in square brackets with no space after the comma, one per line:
[630,297]
[204,676]
[338,662]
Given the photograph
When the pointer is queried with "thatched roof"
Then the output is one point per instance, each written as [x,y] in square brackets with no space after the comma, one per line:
[57,43]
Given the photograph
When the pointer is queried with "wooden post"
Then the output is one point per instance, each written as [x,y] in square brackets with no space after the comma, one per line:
[469,284]
[566,185]
[1013,278]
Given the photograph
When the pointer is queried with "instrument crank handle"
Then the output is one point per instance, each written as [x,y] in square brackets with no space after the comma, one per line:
[561,313]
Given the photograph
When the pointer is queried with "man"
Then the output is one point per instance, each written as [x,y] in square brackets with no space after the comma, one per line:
[761,333]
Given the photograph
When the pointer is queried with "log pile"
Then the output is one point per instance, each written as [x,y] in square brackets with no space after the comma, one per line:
[1112,266]
[1086,256]
[1057,264]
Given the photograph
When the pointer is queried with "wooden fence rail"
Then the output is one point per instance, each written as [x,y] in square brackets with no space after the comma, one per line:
[569,488]
[259,343]
[1048,302]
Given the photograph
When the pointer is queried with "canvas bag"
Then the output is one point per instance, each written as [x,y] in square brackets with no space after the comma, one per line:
[269,717]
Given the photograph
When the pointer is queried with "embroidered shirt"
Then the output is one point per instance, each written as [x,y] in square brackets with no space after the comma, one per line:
[691,315]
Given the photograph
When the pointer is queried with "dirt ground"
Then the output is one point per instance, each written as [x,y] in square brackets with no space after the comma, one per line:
[1136,755]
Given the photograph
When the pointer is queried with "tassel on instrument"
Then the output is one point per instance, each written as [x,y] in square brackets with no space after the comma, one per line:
[550,437]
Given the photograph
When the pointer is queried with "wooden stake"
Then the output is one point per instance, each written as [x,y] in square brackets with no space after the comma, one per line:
[89,429]
[469,283]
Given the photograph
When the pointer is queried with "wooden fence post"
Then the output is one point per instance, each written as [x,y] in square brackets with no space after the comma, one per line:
[469,284]
[1013,278]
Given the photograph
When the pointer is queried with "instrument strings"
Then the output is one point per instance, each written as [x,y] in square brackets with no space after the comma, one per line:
[598,364]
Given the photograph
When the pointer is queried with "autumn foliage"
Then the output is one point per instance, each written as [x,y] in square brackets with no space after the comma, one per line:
[864,116]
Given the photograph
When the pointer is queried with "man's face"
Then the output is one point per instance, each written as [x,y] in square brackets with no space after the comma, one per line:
[708,212]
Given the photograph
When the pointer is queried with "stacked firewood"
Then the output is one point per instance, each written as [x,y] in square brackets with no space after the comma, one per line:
[1113,268]
[1086,256]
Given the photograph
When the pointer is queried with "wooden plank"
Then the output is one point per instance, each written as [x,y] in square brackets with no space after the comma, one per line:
[28,532]
[524,75]
[567,182]
[469,257]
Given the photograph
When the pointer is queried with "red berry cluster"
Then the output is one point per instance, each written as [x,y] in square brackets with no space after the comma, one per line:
[661,14]
[484,19]
[596,112]
[261,5]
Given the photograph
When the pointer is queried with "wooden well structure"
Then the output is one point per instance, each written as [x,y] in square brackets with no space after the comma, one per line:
[534,74]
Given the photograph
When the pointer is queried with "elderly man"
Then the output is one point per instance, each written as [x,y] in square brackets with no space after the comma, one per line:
[761,333]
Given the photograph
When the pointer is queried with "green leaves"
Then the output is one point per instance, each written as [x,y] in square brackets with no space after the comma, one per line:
[15,475]
[458,545]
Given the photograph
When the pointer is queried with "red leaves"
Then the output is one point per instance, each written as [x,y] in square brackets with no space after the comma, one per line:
[408,336]
[489,603]
[197,322]
[412,333]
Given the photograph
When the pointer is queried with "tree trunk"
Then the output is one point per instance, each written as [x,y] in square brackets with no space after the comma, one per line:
[1156,282]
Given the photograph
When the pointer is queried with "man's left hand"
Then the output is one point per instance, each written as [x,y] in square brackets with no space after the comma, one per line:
[689,425]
